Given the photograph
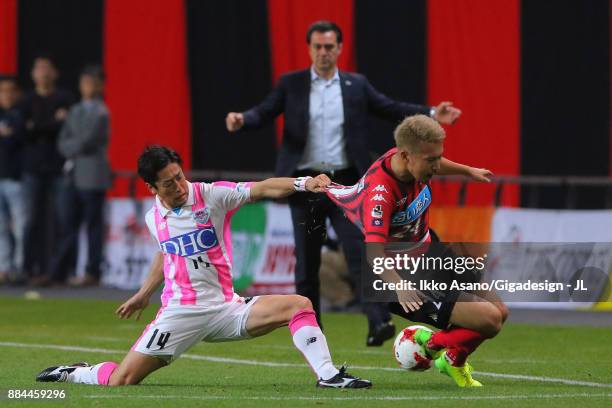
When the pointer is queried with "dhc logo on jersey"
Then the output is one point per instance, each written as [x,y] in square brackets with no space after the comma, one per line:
[194,242]
[416,208]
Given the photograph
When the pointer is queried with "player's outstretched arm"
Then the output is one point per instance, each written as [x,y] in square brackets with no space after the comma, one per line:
[448,168]
[285,186]
[140,300]
[259,115]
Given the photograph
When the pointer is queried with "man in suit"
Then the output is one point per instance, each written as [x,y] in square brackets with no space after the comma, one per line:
[325,132]
[83,142]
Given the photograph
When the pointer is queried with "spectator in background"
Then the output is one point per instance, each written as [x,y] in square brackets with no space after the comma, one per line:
[83,142]
[325,131]
[44,110]
[12,216]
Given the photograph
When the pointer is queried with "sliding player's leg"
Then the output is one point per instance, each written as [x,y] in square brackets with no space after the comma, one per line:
[169,335]
[133,369]
[274,311]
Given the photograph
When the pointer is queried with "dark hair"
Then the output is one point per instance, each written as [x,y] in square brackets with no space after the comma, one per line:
[323,26]
[45,56]
[155,158]
[9,78]
[93,71]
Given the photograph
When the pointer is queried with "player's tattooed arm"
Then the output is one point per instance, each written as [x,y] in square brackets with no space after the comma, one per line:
[285,186]
[138,302]
[448,167]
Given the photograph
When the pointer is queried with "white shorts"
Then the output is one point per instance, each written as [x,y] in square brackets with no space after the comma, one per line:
[178,328]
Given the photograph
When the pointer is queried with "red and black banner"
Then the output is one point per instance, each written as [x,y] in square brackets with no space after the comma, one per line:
[8,36]
[229,70]
[145,58]
[393,56]
[565,89]
[69,32]
[532,77]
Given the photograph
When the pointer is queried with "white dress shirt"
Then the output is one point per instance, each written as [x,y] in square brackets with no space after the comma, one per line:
[325,146]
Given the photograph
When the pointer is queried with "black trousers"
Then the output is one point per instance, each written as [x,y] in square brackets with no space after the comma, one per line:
[309,213]
[41,226]
[77,207]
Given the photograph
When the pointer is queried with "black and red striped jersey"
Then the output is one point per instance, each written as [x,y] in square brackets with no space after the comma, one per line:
[383,207]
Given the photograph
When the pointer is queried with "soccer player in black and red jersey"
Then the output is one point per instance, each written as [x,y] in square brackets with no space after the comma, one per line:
[390,204]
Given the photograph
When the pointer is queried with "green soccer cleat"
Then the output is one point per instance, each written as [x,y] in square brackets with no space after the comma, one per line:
[422,336]
[461,375]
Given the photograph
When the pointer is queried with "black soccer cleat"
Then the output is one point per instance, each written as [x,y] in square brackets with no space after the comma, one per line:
[59,373]
[379,334]
[344,380]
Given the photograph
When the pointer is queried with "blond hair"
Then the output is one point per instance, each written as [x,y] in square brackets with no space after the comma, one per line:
[415,130]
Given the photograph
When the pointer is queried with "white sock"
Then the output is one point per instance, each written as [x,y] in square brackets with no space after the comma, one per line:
[97,374]
[310,340]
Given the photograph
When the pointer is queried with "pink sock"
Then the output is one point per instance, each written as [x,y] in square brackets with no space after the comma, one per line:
[105,371]
[310,340]
[98,374]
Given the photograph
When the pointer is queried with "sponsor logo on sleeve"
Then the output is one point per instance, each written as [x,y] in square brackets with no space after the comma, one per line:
[377,222]
[378,197]
[380,188]
[377,211]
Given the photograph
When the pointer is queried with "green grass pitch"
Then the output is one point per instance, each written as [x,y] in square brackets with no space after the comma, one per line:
[556,366]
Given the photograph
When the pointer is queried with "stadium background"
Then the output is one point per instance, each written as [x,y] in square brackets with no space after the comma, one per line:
[532,78]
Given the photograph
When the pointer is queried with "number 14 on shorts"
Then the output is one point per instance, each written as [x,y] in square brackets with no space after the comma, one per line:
[162,339]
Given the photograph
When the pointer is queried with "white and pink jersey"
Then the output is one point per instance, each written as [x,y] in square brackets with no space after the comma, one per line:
[196,243]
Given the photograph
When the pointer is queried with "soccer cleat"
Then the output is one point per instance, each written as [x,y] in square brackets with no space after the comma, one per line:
[59,373]
[344,380]
[422,336]
[381,333]
[461,375]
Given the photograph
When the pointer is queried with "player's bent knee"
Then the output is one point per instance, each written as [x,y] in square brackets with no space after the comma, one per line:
[492,323]
[297,303]
[303,303]
[504,312]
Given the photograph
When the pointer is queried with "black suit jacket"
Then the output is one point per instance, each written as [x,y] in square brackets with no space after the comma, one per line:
[359,98]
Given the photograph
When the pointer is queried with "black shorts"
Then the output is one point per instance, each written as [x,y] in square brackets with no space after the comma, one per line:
[438,304]
[436,314]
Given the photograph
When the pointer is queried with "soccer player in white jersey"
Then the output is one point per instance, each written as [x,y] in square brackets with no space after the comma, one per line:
[191,223]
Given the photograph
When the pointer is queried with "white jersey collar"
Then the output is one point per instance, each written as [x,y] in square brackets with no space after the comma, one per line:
[163,211]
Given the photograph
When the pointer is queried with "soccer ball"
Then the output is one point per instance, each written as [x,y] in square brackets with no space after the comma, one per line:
[408,352]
